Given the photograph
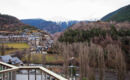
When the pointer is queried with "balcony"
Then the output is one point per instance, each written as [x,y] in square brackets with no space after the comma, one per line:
[10,72]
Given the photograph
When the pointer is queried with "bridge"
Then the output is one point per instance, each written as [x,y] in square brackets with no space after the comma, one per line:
[9,72]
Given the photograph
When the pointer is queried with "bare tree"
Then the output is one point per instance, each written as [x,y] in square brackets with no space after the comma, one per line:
[118,62]
[93,57]
[28,56]
[44,60]
[101,63]
[66,60]
[2,49]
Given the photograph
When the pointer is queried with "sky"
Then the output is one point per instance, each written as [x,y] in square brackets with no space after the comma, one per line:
[60,10]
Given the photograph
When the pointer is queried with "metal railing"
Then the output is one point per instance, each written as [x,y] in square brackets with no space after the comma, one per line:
[8,72]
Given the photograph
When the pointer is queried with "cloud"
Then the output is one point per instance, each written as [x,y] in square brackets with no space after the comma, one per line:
[66,9]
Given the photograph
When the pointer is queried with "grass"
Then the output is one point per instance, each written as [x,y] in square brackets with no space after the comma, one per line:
[11,51]
[37,58]
[53,58]
[17,45]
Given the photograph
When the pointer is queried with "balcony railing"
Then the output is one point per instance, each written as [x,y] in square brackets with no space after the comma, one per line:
[8,72]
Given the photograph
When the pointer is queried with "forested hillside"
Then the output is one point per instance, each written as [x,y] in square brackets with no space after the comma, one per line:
[10,23]
[100,33]
[122,14]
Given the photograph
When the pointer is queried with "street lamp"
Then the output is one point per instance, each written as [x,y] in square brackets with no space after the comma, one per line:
[72,68]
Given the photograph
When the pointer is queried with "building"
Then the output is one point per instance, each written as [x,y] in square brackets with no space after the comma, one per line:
[11,60]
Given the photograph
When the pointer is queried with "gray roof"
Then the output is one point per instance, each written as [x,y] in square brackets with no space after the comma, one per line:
[15,60]
[6,58]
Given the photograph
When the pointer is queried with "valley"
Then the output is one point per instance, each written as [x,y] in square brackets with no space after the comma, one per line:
[66,50]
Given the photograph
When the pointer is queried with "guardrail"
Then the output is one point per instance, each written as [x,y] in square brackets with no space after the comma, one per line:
[8,72]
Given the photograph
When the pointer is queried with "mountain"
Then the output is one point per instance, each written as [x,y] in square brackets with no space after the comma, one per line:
[67,24]
[11,23]
[49,26]
[122,14]
[99,33]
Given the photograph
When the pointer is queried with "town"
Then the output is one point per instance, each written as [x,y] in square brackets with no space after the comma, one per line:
[64,39]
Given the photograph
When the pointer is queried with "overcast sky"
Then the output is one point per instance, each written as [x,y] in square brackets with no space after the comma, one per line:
[60,9]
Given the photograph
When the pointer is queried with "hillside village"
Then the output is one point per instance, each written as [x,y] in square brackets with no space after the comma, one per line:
[38,42]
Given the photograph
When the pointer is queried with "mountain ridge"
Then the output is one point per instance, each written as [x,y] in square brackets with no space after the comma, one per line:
[12,24]
[49,26]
